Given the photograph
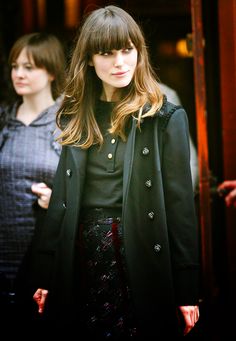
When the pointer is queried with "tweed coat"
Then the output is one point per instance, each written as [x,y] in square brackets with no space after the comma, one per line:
[159,221]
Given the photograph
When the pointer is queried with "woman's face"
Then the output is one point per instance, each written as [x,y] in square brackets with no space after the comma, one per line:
[115,68]
[27,78]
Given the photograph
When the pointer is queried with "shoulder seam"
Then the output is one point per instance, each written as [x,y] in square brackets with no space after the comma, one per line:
[166,115]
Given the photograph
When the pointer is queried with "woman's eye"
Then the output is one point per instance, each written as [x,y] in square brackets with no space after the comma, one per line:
[128,49]
[28,66]
[105,53]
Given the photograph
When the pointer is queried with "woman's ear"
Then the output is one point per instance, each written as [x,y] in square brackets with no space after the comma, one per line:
[90,63]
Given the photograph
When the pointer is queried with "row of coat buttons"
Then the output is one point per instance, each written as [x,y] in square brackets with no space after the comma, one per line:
[148,183]
[151,215]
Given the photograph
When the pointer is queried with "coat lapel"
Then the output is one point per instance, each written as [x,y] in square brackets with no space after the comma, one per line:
[79,157]
[77,160]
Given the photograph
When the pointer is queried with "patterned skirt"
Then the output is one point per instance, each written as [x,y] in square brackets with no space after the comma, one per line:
[106,308]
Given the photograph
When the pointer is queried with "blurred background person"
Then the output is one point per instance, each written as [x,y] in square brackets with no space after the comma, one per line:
[227,189]
[28,154]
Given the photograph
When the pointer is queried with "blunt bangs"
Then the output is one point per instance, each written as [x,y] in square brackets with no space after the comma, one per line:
[38,54]
[112,33]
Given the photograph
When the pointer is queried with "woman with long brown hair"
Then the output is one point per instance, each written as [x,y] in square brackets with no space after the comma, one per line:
[118,255]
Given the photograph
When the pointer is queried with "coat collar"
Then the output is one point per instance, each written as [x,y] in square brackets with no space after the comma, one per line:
[160,112]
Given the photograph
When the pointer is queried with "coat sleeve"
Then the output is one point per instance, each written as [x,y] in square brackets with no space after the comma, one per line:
[44,244]
[180,209]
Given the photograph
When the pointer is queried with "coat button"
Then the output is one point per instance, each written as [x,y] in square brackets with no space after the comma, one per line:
[113,141]
[151,215]
[157,247]
[110,156]
[148,183]
[69,172]
[64,205]
[145,151]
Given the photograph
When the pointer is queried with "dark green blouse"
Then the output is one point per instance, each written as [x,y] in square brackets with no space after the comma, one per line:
[103,184]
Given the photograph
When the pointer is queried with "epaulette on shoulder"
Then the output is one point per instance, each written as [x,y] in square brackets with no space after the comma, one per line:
[166,112]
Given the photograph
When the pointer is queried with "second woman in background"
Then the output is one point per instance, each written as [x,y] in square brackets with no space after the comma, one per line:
[28,152]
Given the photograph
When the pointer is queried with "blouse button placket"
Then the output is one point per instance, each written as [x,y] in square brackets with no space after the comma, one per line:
[111,155]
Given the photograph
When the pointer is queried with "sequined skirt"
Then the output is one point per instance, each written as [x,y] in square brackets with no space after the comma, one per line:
[107,307]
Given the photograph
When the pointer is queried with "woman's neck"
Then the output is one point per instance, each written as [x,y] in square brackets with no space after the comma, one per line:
[110,96]
[32,106]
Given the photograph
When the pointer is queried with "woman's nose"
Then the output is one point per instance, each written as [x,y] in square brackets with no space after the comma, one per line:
[119,59]
[19,72]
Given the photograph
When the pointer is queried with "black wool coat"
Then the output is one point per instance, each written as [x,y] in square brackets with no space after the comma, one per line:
[159,221]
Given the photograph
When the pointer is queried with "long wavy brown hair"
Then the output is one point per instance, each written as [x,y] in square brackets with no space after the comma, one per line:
[105,29]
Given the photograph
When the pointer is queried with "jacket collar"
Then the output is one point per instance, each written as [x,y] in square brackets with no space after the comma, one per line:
[160,112]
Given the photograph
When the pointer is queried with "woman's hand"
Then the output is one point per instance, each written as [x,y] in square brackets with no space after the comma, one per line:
[40,297]
[190,316]
[43,192]
[228,190]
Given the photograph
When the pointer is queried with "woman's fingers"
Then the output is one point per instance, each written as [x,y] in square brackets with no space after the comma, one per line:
[40,297]
[43,192]
[190,315]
